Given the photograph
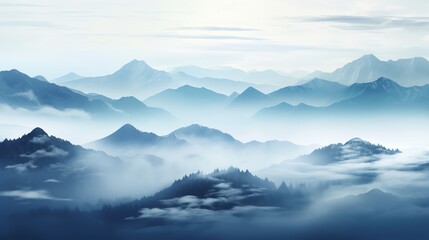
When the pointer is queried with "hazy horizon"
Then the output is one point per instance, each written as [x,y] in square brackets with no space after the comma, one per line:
[280,35]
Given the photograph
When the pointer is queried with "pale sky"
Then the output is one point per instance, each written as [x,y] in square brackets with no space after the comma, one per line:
[96,37]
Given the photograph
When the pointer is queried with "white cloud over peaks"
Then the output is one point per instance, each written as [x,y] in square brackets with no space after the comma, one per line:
[51,151]
[42,139]
[31,194]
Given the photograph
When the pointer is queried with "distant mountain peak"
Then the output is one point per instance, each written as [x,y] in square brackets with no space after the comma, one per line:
[189,87]
[130,98]
[355,140]
[128,134]
[384,81]
[136,64]
[375,191]
[252,91]
[41,78]
[37,132]
[14,73]
[378,195]
[136,70]
[127,128]
[419,60]
[71,76]
[318,82]
[370,56]
[196,126]
[250,98]
[196,130]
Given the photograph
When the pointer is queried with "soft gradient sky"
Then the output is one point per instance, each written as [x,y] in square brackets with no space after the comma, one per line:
[96,37]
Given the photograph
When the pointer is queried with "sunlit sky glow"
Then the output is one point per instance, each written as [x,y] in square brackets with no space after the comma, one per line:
[94,37]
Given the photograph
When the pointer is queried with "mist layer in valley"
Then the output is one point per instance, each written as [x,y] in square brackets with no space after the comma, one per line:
[217,153]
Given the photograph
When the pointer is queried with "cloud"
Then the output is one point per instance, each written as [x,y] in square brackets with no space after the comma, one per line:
[31,194]
[43,112]
[51,151]
[174,36]
[29,95]
[81,14]
[220,29]
[34,24]
[22,167]
[51,180]
[208,37]
[200,214]
[174,213]
[273,46]
[42,139]
[350,22]
[3,4]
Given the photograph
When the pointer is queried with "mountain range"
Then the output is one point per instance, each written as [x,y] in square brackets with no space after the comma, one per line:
[407,72]
[128,136]
[267,77]
[197,141]
[138,79]
[21,91]
[380,96]
[187,102]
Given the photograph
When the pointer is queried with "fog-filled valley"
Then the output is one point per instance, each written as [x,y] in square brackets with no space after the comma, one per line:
[216,153]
